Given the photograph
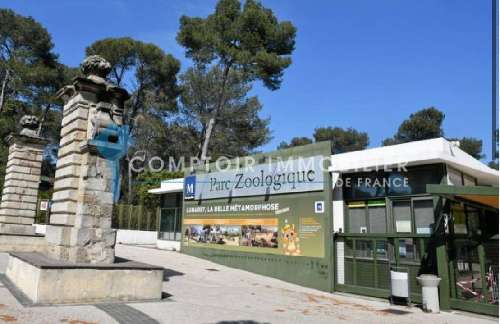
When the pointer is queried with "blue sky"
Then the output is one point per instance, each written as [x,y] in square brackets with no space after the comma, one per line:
[358,63]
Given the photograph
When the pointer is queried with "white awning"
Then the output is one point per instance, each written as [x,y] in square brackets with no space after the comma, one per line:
[169,186]
[437,150]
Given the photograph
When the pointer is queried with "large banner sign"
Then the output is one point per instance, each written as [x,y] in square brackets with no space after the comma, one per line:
[286,176]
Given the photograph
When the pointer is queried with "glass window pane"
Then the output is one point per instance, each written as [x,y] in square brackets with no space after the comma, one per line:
[402,216]
[454,177]
[377,219]
[364,249]
[459,220]
[381,250]
[424,216]
[348,248]
[414,179]
[469,181]
[473,220]
[357,220]
[407,251]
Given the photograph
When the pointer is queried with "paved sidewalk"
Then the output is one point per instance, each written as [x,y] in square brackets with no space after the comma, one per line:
[200,291]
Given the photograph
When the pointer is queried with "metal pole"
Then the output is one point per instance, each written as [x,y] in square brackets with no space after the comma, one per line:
[494,85]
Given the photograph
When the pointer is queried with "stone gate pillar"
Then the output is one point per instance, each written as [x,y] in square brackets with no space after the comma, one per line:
[22,179]
[86,176]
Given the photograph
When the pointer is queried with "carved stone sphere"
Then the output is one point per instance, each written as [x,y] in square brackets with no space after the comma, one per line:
[95,65]
[29,124]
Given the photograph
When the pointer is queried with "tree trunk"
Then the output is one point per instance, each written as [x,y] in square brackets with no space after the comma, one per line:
[211,122]
[42,121]
[206,140]
[2,93]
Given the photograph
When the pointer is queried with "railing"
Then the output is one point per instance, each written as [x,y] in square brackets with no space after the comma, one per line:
[135,217]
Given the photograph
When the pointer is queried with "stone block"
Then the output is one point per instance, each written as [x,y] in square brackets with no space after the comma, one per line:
[18,205]
[58,235]
[32,192]
[74,115]
[23,177]
[21,184]
[22,243]
[63,207]
[17,229]
[19,216]
[62,219]
[68,171]
[76,136]
[29,156]
[65,195]
[19,198]
[23,163]
[69,159]
[66,183]
[75,125]
[73,147]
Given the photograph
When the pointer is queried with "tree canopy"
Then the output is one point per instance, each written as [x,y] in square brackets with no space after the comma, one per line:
[343,140]
[239,128]
[421,125]
[145,70]
[247,39]
[296,141]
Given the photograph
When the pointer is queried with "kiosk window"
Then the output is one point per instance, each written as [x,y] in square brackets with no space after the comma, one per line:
[402,216]
[377,219]
[424,216]
[357,220]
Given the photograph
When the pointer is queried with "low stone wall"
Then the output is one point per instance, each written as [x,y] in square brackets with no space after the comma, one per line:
[48,281]
[136,237]
[168,245]
[22,243]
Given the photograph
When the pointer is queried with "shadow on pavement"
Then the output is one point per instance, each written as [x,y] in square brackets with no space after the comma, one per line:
[168,273]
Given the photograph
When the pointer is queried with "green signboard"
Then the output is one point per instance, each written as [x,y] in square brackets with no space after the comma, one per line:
[282,232]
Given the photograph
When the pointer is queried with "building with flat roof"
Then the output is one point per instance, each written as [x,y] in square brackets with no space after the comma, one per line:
[341,222]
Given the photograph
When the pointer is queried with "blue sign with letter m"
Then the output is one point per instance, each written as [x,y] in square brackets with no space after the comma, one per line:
[189,187]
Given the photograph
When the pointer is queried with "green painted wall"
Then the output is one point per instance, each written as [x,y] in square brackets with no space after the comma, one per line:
[314,270]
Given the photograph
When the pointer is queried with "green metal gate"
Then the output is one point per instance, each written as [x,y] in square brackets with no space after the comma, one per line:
[363,261]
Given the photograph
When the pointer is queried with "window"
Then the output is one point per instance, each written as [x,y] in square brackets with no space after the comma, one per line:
[364,249]
[367,217]
[381,250]
[407,250]
[401,211]
[414,180]
[377,217]
[454,177]
[410,181]
[357,218]
[424,216]
[459,219]
[469,181]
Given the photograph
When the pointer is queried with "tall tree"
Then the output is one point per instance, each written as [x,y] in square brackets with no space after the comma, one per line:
[247,39]
[471,145]
[296,141]
[150,75]
[343,140]
[424,124]
[239,127]
[145,70]
[30,75]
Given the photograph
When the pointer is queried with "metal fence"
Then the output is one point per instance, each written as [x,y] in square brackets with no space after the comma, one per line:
[135,217]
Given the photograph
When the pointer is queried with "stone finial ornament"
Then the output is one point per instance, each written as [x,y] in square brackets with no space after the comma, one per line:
[29,124]
[96,68]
